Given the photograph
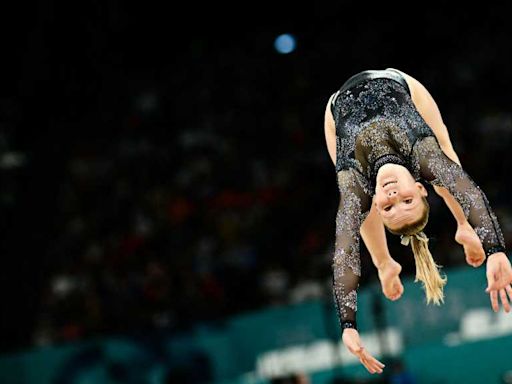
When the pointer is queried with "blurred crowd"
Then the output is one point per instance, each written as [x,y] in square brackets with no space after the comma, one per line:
[206,191]
[168,234]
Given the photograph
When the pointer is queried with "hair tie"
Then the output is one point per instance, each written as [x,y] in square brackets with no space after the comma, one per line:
[406,239]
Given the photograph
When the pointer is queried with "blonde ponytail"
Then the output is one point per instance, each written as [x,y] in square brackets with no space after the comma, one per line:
[427,271]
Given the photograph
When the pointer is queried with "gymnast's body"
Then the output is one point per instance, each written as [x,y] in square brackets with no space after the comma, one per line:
[386,137]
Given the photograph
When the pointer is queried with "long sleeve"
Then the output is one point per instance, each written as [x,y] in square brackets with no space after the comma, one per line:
[437,169]
[354,204]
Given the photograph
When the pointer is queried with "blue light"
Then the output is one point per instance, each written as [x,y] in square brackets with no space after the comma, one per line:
[285,43]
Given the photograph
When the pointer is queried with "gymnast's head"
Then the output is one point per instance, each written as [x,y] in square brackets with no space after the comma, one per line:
[402,204]
[400,200]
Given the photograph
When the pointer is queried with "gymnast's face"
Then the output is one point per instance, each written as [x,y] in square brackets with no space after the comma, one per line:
[398,197]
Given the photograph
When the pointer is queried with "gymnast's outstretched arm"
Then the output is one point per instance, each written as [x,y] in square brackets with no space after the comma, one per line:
[372,230]
[438,169]
[354,203]
[429,111]
[460,193]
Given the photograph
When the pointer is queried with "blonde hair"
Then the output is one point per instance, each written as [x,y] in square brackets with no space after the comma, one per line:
[427,271]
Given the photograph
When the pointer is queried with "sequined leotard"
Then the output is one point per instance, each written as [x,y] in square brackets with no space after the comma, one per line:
[377,123]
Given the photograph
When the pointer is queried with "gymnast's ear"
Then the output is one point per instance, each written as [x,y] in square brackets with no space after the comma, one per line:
[423,190]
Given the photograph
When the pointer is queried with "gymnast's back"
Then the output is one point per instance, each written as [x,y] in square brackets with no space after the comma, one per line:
[374,116]
[388,73]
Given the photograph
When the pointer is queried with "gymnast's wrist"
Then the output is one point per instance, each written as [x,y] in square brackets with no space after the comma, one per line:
[495,251]
[348,324]
[383,261]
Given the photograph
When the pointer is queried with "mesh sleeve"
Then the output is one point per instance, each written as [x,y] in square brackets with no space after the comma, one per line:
[437,169]
[346,264]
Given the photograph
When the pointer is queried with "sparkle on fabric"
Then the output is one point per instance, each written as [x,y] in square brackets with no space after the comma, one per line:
[377,123]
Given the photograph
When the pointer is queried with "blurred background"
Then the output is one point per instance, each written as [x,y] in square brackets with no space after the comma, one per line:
[167,200]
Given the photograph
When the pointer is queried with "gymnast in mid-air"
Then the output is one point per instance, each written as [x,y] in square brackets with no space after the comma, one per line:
[386,137]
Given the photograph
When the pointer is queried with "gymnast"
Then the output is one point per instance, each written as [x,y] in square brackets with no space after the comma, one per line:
[385,136]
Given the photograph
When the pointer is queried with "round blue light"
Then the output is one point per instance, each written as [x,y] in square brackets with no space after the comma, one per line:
[285,43]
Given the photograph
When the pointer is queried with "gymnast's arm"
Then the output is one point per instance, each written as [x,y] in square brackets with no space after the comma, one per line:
[372,229]
[346,259]
[354,203]
[374,238]
[429,111]
[438,169]
[346,264]
[463,197]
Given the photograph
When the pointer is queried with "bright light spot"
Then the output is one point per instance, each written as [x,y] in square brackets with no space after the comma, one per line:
[285,43]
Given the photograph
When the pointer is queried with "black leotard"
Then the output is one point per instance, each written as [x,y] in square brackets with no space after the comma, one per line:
[377,123]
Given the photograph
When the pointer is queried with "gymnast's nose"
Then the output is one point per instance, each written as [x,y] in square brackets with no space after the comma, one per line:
[392,194]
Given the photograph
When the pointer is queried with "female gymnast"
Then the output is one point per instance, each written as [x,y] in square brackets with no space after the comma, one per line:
[385,135]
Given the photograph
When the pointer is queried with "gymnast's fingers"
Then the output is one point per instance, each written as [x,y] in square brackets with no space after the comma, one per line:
[494,300]
[508,288]
[504,300]
[371,363]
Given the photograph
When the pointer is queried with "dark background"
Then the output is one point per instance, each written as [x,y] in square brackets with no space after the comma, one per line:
[165,167]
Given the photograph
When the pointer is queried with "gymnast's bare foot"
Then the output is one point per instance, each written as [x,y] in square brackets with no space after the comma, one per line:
[389,272]
[467,237]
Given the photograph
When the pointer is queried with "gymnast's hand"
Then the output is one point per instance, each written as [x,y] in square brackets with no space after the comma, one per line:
[467,237]
[499,278]
[389,272]
[353,343]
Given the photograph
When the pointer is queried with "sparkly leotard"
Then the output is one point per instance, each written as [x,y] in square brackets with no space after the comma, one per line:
[377,123]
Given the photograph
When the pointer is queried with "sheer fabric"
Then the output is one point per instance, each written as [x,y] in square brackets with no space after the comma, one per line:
[377,123]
